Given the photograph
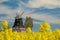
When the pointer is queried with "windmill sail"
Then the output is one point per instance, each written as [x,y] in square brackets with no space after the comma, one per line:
[18,24]
[21,14]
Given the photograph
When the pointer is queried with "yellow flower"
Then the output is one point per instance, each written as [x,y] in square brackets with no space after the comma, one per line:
[4,24]
[28,29]
[46,26]
[29,35]
[41,28]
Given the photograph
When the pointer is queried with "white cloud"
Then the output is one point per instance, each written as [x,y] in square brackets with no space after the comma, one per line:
[43,3]
[2,1]
[11,13]
[6,10]
[45,17]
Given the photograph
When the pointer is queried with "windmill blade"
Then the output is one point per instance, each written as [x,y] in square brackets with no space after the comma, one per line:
[21,13]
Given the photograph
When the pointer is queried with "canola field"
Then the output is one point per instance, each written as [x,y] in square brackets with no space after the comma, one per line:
[45,33]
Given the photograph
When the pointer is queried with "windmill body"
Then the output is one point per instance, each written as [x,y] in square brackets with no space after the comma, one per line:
[18,24]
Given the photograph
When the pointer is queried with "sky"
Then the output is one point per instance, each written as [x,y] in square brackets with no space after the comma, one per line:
[39,10]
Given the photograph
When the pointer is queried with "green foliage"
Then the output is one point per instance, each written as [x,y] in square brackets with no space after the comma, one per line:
[28,22]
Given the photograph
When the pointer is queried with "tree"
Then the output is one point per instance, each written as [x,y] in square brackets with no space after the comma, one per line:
[28,22]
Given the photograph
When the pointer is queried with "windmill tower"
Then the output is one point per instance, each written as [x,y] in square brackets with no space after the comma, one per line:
[18,24]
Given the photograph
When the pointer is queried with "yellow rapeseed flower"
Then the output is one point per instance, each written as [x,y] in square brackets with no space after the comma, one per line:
[28,29]
[46,26]
[4,24]
[43,34]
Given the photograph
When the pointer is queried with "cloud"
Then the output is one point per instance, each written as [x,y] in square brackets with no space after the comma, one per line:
[43,3]
[12,12]
[45,17]
[5,9]
[2,1]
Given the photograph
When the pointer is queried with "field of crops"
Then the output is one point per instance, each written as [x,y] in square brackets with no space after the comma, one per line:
[45,33]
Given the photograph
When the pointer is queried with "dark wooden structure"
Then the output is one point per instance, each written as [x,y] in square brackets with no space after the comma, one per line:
[18,24]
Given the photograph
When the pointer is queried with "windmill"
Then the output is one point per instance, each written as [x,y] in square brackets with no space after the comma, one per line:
[19,15]
[18,24]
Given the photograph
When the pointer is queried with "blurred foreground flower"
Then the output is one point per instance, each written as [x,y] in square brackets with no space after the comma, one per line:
[4,24]
[43,34]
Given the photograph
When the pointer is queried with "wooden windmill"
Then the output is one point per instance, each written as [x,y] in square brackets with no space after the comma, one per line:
[18,24]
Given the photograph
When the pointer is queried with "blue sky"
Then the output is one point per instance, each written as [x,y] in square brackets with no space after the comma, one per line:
[39,10]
